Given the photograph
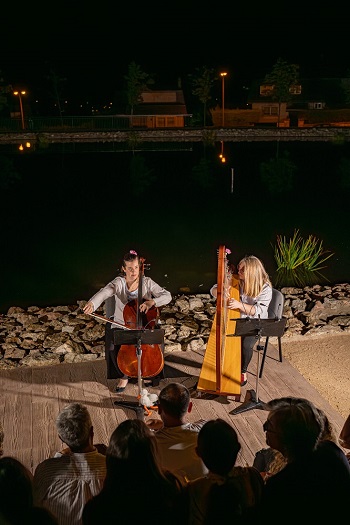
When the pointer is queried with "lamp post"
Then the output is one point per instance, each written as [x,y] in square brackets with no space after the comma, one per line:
[19,94]
[223,75]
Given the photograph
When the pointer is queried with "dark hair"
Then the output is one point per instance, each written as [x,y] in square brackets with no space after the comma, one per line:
[174,399]
[135,479]
[15,489]
[300,426]
[131,255]
[132,453]
[218,446]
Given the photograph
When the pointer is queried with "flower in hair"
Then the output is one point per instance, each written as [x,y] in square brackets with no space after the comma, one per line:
[133,252]
[228,251]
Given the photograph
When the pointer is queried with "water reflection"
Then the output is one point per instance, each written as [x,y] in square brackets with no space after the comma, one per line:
[68,216]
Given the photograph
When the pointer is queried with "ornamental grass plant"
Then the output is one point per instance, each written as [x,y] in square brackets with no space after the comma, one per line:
[300,261]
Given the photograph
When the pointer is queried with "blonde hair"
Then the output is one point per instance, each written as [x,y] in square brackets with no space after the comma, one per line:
[255,276]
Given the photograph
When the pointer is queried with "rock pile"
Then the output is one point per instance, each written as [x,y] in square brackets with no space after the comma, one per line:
[38,336]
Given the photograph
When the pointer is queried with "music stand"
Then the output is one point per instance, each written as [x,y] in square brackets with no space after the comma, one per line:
[258,327]
[137,338]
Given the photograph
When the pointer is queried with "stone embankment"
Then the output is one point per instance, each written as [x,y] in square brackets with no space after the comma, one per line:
[235,134]
[37,336]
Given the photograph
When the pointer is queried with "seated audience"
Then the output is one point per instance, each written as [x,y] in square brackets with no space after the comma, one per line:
[269,461]
[226,491]
[313,484]
[64,484]
[136,489]
[176,438]
[16,496]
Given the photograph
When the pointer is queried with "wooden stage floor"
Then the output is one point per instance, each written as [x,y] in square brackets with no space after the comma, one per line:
[31,398]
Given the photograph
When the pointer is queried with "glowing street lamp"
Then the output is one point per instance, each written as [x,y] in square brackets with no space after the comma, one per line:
[19,94]
[223,75]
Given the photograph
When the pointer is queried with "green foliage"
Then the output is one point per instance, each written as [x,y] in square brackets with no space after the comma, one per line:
[278,174]
[282,77]
[202,82]
[136,82]
[209,137]
[133,140]
[56,90]
[299,260]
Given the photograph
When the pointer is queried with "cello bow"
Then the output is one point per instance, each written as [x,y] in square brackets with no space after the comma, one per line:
[106,320]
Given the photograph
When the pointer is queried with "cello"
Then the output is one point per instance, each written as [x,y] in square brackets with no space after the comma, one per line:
[140,359]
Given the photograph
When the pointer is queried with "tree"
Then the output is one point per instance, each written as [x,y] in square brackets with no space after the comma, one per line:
[282,77]
[136,82]
[346,88]
[5,90]
[56,90]
[202,82]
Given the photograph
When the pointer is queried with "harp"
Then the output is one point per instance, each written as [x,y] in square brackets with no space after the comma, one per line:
[221,369]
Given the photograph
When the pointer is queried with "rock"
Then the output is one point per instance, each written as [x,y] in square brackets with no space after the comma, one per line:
[64,334]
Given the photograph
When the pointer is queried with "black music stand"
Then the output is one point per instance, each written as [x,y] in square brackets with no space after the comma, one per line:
[137,338]
[258,327]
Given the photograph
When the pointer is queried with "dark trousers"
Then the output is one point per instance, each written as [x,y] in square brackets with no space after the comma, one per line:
[111,353]
[247,344]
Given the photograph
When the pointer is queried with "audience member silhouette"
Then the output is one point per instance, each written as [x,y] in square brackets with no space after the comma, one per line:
[315,482]
[227,491]
[176,438]
[344,436]
[136,489]
[1,440]
[64,484]
[269,461]
[16,496]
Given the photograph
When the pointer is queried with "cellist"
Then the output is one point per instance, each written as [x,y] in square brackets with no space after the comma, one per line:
[116,295]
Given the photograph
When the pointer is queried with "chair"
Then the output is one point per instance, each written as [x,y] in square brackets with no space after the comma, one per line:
[275,311]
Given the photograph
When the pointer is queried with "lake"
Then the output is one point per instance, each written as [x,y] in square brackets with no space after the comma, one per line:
[71,216]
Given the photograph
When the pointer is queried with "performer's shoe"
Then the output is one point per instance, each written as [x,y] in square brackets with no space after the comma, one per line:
[121,386]
[244,379]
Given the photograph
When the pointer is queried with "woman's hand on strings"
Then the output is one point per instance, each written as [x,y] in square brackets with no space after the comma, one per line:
[233,304]
[146,305]
[227,292]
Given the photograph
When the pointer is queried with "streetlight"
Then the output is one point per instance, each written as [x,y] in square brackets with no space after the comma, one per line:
[223,75]
[19,94]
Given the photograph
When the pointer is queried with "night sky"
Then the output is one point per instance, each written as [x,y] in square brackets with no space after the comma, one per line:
[93,45]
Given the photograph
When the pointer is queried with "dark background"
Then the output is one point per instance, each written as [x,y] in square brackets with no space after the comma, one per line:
[71,217]
[92,45]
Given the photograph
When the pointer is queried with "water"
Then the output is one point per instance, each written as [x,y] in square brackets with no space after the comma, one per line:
[72,216]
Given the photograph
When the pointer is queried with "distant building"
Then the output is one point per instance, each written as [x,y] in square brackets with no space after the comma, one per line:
[317,101]
[160,109]
[308,97]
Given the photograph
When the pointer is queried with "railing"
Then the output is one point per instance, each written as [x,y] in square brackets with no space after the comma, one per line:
[92,123]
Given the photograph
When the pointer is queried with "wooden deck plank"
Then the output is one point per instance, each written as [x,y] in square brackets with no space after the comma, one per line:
[31,399]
